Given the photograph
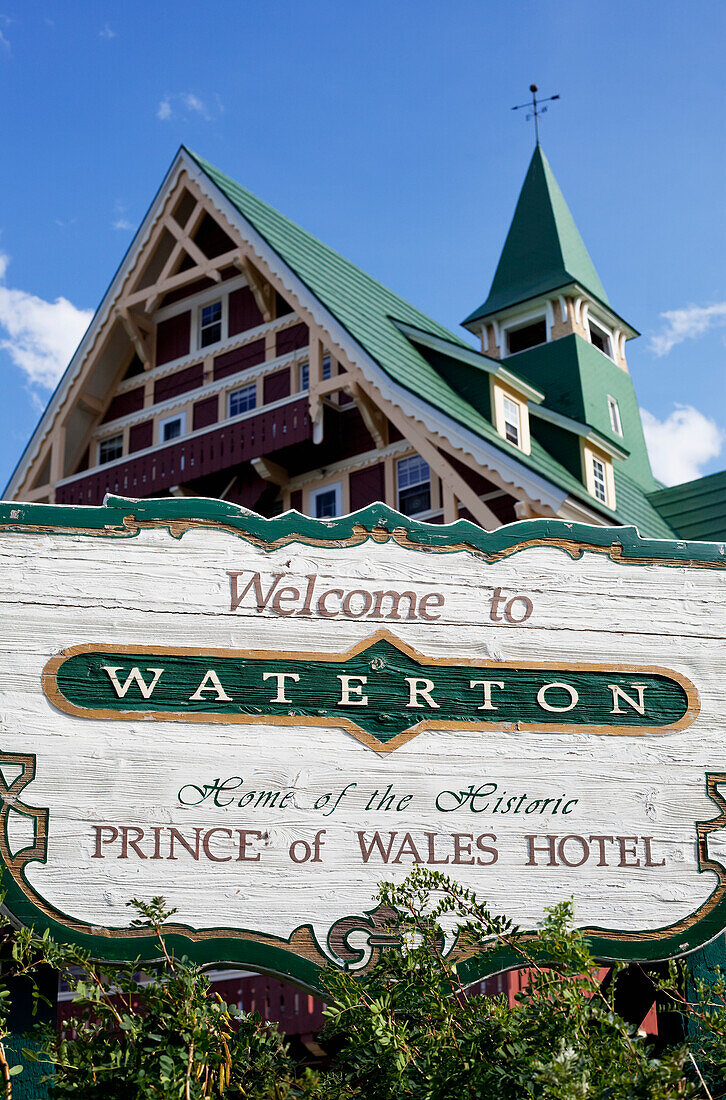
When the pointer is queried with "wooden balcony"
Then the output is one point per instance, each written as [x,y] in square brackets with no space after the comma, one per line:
[156,471]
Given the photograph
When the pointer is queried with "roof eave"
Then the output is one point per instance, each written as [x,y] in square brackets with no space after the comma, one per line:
[472,358]
[182,158]
[484,314]
[585,431]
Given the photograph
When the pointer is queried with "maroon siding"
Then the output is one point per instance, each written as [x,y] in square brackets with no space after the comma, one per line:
[141,436]
[240,359]
[296,500]
[276,386]
[393,433]
[367,486]
[290,339]
[243,311]
[205,412]
[191,378]
[124,403]
[172,338]
[186,291]
[502,507]
[195,456]
[478,482]
[353,438]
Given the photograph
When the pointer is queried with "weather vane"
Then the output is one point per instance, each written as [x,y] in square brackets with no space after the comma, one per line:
[536,108]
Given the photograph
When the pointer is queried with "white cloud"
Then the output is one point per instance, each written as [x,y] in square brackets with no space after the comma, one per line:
[107,32]
[195,104]
[4,43]
[42,336]
[682,444]
[188,104]
[120,221]
[686,324]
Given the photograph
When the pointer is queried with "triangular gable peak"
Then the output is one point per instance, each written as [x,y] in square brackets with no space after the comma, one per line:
[194,247]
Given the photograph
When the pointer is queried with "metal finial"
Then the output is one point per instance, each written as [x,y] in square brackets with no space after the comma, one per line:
[535,108]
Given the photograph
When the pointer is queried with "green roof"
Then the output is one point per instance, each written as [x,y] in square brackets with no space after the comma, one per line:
[543,250]
[695,509]
[368,311]
[577,381]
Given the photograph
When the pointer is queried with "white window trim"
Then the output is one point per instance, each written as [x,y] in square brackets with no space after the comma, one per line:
[238,389]
[107,439]
[337,488]
[201,298]
[613,404]
[168,420]
[589,318]
[588,454]
[497,395]
[427,481]
[196,334]
[301,366]
[515,420]
[524,319]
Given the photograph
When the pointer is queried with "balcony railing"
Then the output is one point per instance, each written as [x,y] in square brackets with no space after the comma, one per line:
[195,456]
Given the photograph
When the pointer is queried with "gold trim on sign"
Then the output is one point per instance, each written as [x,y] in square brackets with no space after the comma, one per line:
[50,687]
[379,532]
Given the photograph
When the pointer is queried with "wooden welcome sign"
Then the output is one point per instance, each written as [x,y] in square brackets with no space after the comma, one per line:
[262,719]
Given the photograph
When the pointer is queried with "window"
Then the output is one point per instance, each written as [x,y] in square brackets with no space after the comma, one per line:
[511,420]
[600,339]
[305,373]
[111,448]
[172,427]
[414,485]
[528,336]
[615,422]
[326,503]
[241,401]
[210,324]
[598,480]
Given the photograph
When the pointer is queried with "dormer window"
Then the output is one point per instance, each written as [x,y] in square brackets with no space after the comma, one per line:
[510,416]
[598,479]
[614,410]
[600,339]
[598,475]
[511,420]
[210,324]
[526,336]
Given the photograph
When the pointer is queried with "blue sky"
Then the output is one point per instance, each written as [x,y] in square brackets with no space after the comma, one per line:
[385,129]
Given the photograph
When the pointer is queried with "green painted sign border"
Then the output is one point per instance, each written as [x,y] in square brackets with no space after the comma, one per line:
[122,517]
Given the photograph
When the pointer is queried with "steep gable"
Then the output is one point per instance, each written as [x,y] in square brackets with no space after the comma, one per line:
[206,239]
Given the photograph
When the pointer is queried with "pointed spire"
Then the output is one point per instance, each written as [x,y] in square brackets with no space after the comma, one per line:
[543,250]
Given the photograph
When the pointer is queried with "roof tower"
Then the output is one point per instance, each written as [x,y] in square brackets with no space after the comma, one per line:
[543,250]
